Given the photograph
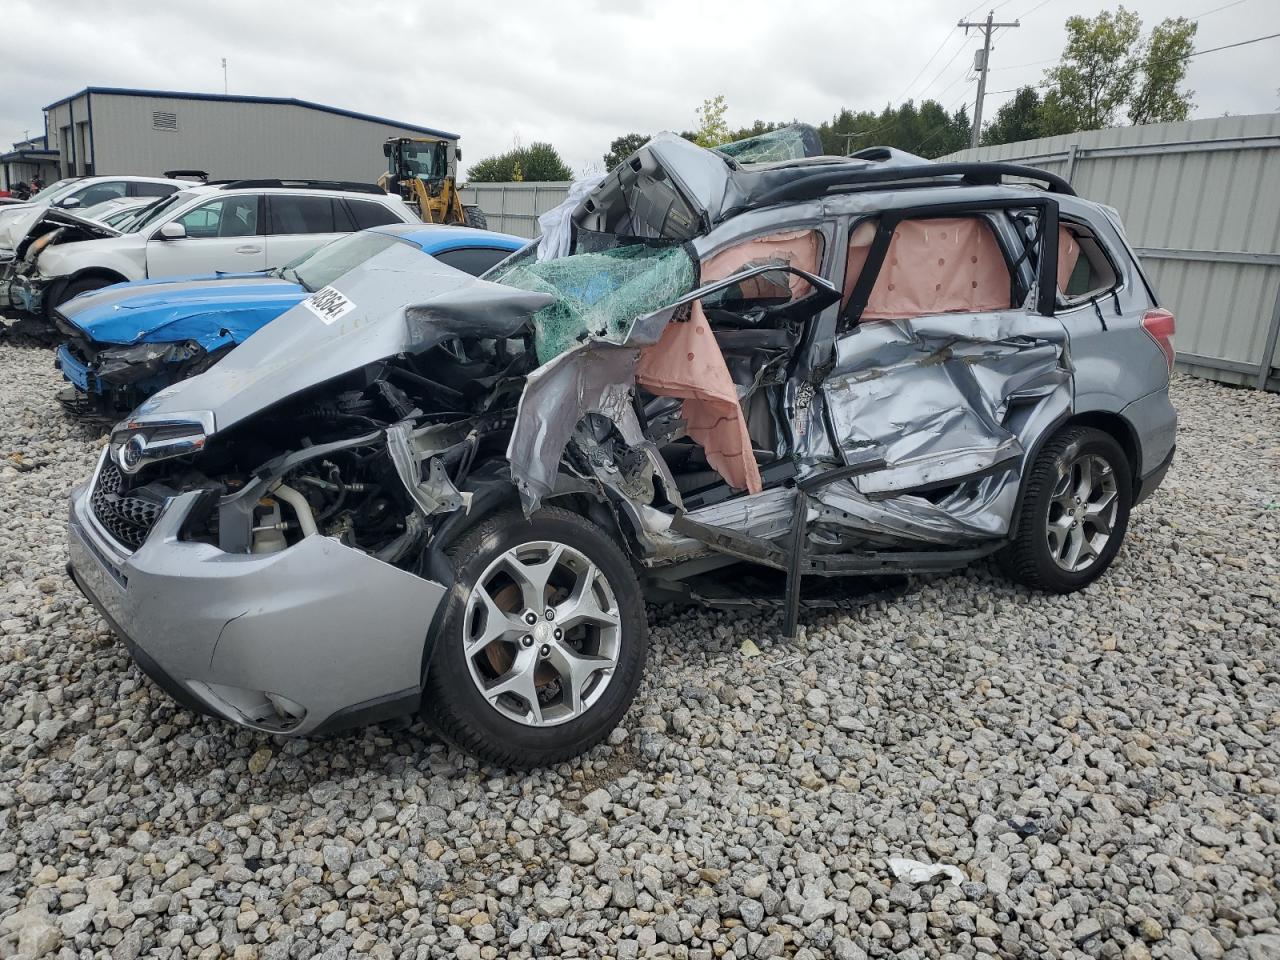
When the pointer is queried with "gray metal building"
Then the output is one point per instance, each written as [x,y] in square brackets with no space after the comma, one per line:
[106,130]
[28,159]
[1201,204]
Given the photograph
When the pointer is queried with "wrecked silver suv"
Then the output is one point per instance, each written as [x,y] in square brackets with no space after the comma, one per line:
[422,491]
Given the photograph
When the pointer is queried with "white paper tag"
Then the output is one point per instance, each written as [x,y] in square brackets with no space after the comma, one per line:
[328,304]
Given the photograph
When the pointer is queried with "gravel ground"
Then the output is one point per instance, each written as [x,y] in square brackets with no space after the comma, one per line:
[1103,769]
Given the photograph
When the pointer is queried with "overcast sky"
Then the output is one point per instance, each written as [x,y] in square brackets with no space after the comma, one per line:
[579,74]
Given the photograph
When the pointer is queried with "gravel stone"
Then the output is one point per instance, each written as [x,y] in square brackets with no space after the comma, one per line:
[1102,767]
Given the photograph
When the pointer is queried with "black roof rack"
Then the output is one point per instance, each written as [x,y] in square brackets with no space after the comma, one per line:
[347,186]
[200,175]
[820,181]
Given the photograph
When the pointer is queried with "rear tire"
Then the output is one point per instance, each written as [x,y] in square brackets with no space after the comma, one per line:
[474,217]
[1074,514]
[512,685]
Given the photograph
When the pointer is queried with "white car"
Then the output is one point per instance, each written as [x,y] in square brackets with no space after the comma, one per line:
[113,211]
[79,193]
[239,227]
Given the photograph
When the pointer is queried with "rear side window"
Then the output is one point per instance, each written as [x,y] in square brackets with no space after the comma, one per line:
[1084,269]
[152,189]
[369,214]
[303,214]
[933,265]
[472,260]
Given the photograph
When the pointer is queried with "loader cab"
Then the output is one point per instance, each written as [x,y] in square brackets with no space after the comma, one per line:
[429,159]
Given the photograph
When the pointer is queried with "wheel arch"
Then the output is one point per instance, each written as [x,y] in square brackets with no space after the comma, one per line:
[1108,422]
[60,284]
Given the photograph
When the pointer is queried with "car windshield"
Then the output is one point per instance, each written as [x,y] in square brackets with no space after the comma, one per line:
[128,219]
[167,204]
[320,267]
[55,190]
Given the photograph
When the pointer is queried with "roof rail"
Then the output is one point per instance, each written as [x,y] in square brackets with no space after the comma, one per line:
[200,175]
[347,186]
[971,172]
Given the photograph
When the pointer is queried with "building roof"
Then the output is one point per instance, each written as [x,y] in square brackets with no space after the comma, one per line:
[237,98]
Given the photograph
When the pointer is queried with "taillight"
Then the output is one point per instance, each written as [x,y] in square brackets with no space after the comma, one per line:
[1159,326]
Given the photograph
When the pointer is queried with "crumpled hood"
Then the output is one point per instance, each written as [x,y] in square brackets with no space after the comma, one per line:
[51,218]
[212,310]
[398,301]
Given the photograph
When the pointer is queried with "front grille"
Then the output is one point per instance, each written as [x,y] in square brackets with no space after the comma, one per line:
[127,518]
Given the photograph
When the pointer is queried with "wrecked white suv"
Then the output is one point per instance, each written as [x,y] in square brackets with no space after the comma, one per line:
[418,490]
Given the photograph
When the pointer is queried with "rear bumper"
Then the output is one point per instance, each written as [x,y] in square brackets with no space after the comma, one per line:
[325,629]
[1147,485]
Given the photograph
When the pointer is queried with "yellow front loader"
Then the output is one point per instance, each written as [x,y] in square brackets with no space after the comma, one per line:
[424,171]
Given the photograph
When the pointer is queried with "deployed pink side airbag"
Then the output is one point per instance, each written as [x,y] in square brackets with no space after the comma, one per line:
[1068,254]
[686,362]
[939,265]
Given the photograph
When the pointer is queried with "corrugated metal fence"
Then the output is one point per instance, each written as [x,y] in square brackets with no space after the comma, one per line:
[1201,204]
[515,207]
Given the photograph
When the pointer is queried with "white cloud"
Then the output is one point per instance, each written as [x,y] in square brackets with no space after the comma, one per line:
[576,75]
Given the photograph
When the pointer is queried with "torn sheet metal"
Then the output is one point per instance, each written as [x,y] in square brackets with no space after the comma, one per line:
[934,393]
[590,378]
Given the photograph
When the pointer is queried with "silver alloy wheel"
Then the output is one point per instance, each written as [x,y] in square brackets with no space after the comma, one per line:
[1082,512]
[542,633]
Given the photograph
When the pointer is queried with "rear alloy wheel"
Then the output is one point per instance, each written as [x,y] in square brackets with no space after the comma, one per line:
[1075,512]
[543,643]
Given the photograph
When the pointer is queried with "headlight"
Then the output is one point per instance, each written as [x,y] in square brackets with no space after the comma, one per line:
[139,442]
[125,365]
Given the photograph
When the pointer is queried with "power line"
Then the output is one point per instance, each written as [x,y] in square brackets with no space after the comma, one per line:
[1043,2]
[1225,6]
[920,73]
[929,85]
[1189,56]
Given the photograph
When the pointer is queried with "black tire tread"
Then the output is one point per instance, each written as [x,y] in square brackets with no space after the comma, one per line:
[1018,559]
[454,727]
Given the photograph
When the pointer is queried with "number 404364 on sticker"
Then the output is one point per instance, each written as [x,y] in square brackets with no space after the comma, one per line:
[328,304]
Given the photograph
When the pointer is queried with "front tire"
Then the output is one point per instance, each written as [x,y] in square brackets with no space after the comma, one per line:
[542,643]
[1074,514]
[74,289]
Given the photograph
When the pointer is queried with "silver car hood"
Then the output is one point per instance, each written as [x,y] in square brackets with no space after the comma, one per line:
[399,301]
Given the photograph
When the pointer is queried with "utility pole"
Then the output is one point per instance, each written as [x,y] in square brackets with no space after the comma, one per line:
[981,59]
[224,74]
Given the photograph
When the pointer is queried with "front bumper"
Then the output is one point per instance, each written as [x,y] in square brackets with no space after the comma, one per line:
[27,293]
[324,628]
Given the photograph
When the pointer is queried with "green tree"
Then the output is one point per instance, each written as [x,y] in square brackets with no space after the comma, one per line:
[623,147]
[1156,97]
[536,162]
[1107,67]
[713,129]
[1019,119]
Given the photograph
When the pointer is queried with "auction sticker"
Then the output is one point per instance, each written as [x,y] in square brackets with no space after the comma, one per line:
[329,305]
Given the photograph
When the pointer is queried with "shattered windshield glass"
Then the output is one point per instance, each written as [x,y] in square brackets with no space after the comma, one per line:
[599,294]
[786,143]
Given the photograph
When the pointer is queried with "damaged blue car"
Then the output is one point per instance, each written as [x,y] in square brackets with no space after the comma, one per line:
[129,340]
